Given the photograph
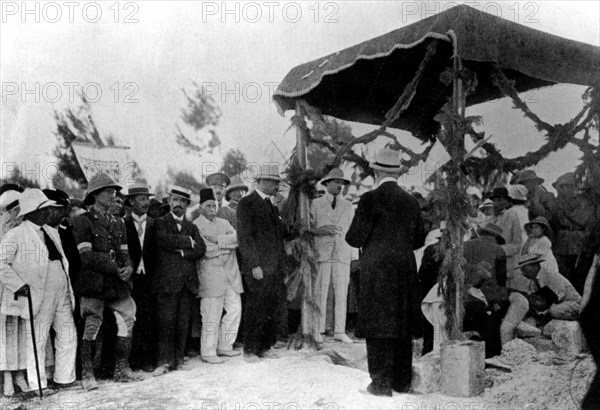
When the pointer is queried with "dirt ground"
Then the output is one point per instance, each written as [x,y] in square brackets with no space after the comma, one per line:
[313,380]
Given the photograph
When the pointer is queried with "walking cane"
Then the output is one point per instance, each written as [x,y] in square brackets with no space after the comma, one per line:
[37,364]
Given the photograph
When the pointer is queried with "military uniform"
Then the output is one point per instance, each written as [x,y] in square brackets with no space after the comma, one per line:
[102,244]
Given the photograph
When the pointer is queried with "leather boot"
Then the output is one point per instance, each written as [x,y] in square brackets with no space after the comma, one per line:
[87,363]
[122,371]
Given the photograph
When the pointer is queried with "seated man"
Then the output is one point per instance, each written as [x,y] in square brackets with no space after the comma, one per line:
[481,315]
[550,296]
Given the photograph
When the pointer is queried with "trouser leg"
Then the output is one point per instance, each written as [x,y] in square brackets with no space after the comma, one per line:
[565,311]
[231,320]
[380,359]
[341,280]
[167,316]
[65,341]
[323,285]
[184,317]
[402,364]
[211,310]
[519,306]
[124,311]
[92,314]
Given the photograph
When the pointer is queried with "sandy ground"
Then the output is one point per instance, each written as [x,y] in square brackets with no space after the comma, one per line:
[311,380]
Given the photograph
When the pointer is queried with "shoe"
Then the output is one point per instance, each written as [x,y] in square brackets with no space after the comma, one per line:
[251,358]
[36,393]
[160,370]
[122,373]
[228,353]
[212,359]
[63,386]
[147,368]
[343,337]
[379,391]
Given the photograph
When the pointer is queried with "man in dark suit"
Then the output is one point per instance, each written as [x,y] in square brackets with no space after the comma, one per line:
[175,280]
[260,241]
[388,227]
[141,244]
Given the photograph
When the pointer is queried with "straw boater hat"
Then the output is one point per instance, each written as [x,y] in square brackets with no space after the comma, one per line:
[494,230]
[528,175]
[268,172]
[33,199]
[529,259]
[518,192]
[9,200]
[488,203]
[207,194]
[567,179]
[335,173]
[540,220]
[387,160]
[181,192]
[100,182]
[139,188]
[218,179]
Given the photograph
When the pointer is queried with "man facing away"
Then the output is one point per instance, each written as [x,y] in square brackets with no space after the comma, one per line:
[220,283]
[388,227]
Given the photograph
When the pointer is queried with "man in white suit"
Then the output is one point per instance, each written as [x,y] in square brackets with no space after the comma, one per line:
[331,217]
[220,283]
[32,262]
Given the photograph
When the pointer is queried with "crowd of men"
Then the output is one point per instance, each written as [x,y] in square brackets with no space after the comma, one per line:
[174,277]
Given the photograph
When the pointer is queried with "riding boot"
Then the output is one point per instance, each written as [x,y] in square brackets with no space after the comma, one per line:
[87,363]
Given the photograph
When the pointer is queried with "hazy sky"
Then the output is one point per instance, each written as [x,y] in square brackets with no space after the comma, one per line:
[139,55]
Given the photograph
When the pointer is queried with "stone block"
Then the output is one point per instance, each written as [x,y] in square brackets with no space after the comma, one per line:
[427,373]
[566,336]
[463,368]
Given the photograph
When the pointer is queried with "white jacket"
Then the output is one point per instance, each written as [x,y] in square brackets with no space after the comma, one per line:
[24,260]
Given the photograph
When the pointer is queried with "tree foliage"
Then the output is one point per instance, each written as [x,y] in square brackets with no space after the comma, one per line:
[200,113]
[16,177]
[234,162]
[184,179]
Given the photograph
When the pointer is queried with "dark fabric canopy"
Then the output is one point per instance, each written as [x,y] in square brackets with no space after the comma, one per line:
[362,83]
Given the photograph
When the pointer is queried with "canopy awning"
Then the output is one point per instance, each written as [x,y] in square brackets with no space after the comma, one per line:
[361,83]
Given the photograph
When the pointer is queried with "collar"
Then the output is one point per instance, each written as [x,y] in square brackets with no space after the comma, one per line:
[177,219]
[261,193]
[139,219]
[208,221]
[388,179]
[329,196]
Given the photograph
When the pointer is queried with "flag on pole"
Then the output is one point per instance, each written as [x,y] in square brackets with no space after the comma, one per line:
[111,160]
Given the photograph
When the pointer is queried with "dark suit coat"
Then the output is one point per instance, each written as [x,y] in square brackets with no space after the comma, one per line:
[260,235]
[481,250]
[173,271]
[388,227]
[141,282]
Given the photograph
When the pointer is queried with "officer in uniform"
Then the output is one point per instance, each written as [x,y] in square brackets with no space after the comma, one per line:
[105,278]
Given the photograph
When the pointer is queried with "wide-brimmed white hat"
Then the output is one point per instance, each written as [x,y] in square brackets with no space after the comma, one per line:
[387,160]
[9,200]
[33,199]
[518,192]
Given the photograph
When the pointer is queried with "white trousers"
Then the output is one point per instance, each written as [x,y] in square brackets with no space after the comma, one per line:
[219,331]
[339,274]
[56,313]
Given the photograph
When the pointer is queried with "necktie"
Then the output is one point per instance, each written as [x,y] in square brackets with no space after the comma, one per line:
[333,202]
[53,253]
[140,226]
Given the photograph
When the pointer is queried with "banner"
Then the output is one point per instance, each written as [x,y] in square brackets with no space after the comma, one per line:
[113,161]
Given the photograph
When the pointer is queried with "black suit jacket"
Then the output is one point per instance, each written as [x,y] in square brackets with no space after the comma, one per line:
[136,253]
[173,271]
[260,235]
[387,226]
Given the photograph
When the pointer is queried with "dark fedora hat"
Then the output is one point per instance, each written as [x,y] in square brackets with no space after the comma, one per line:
[500,192]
